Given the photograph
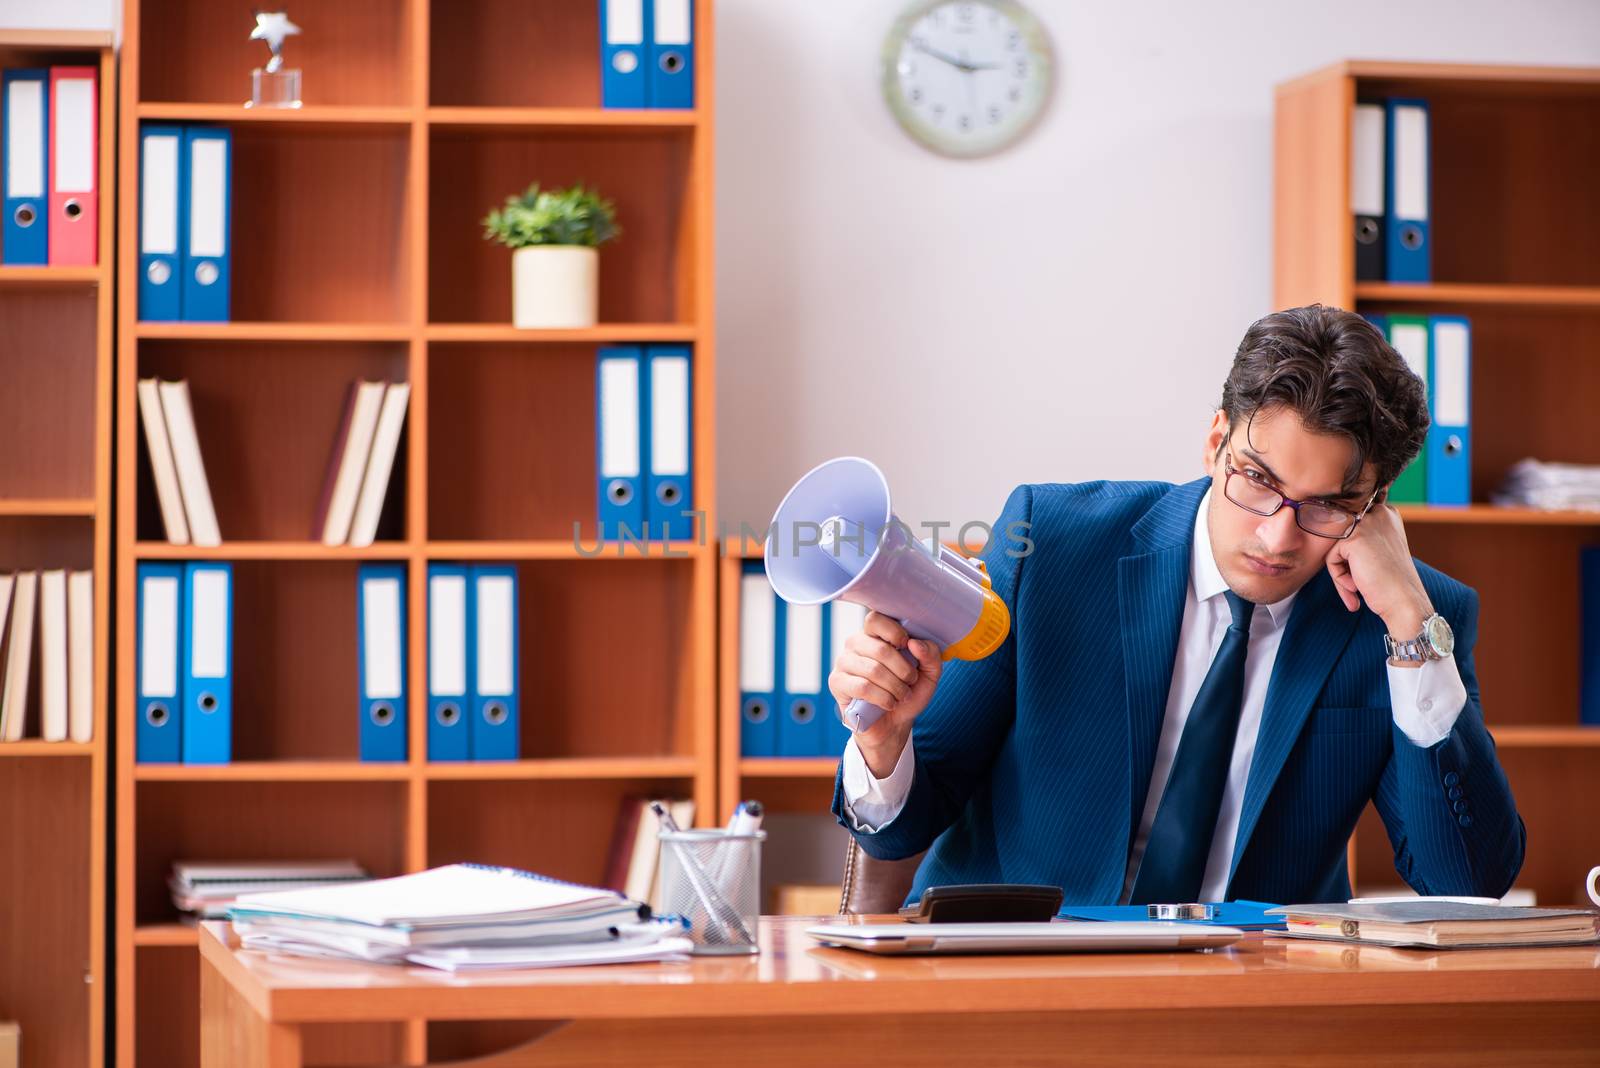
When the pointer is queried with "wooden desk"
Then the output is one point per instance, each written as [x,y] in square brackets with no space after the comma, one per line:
[1264,1000]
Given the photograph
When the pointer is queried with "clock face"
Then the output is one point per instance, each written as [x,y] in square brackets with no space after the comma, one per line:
[966,77]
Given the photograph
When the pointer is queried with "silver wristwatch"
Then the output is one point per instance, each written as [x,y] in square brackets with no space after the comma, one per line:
[1436,642]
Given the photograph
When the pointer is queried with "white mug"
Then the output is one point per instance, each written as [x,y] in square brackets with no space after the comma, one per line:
[1594,886]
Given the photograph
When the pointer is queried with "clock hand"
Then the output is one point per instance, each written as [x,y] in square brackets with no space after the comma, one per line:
[936,54]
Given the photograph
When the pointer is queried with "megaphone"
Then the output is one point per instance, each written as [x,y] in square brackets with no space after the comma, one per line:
[836,537]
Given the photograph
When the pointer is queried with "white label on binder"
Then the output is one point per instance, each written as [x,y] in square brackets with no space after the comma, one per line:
[158,224]
[625,22]
[619,415]
[672,22]
[1410,340]
[209,642]
[496,610]
[1366,160]
[158,662]
[803,663]
[25,139]
[1411,162]
[848,618]
[380,607]
[447,631]
[1450,374]
[74,119]
[208,198]
[669,415]
[757,662]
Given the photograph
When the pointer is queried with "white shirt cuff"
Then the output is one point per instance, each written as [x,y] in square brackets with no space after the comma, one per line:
[1427,699]
[871,802]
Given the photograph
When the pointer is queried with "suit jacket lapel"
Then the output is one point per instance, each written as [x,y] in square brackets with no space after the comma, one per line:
[1318,630]
[1150,592]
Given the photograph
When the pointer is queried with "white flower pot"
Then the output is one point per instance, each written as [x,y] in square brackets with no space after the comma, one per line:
[555,287]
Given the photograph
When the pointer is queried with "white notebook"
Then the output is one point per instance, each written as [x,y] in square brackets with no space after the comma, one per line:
[458,893]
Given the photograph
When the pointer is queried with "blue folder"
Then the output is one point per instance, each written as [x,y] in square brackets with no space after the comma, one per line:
[1407,197]
[381,660]
[449,662]
[158,735]
[496,717]
[206,181]
[669,491]
[622,429]
[161,215]
[208,663]
[670,26]
[25,125]
[1449,442]
[624,31]
[802,732]
[1245,915]
[760,662]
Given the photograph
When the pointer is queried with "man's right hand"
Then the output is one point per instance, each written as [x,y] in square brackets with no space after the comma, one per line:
[872,667]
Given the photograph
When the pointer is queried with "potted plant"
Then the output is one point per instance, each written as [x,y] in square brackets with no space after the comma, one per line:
[554,236]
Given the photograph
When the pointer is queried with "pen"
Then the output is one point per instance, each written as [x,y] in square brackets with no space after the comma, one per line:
[727,918]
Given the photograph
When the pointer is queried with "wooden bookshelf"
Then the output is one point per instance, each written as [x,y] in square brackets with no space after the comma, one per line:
[358,253]
[1504,177]
[55,511]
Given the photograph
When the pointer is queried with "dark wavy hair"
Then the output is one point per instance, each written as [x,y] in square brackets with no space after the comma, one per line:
[1335,371]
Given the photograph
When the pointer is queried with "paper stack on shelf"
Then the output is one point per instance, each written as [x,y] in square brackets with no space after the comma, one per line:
[1552,487]
[461,916]
[208,888]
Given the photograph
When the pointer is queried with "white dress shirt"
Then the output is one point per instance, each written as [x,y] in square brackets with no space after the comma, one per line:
[1425,702]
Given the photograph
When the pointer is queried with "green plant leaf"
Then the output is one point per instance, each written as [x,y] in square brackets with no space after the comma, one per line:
[573,216]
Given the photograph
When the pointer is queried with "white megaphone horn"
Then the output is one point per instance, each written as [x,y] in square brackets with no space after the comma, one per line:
[835,537]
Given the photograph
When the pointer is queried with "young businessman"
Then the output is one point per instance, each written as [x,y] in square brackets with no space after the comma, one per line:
[1205,683]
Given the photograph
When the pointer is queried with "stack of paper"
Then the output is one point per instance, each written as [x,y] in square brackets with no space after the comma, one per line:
[1441,924]
[457,917]
[1553,487]
[208,889]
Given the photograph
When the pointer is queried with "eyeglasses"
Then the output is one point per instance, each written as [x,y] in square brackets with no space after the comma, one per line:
[1314,517]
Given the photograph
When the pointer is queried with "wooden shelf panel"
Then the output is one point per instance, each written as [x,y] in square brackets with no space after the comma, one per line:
[272,550]
[50,276]
[1545,737]
[647,276]
[46,810]
[166,934]
[588,768]
[56,39]
[35,543]
[789,767]
[255,331]
[47,407]
[35,747]
[275,771]
[61,506]
[310,116]
[268,415]
[199,51]
[588,549]
[1487,294]
[605,333]
[1494,515]
[493,118]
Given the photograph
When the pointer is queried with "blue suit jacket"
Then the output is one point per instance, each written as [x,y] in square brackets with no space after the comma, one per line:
[1032,765]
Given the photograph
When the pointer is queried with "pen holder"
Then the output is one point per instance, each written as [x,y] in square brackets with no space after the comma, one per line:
[713,879]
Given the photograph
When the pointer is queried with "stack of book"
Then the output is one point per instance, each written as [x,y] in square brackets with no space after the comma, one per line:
[458,917]
[207,889]
[64,605]
[1440,923]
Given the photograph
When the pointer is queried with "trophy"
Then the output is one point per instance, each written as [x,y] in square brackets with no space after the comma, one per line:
[272,86]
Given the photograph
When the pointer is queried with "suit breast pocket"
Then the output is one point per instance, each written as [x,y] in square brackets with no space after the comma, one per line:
[1351,720]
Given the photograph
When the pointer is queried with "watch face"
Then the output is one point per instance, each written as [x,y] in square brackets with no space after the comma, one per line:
[1440,636]
[966,77]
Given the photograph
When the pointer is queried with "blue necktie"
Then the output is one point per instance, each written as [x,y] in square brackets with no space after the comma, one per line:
[1174,861]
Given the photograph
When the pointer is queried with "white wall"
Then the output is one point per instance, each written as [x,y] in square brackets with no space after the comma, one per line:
[60,14]
[1061,312]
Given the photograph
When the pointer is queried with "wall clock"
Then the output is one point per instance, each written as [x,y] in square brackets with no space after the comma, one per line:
[967,77]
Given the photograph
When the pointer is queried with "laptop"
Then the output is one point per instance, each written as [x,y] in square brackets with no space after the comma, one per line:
[1053,937]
